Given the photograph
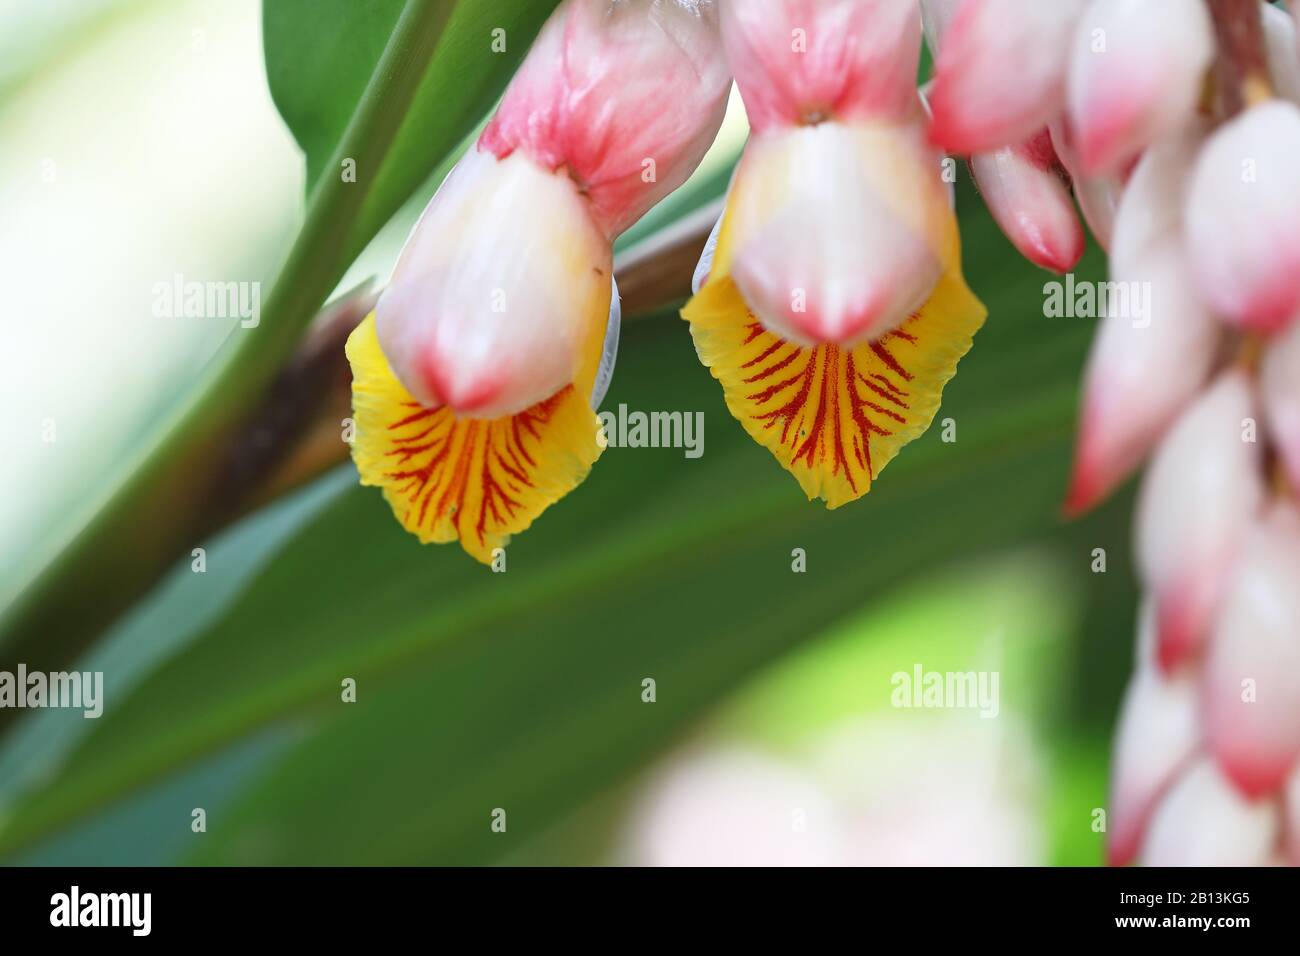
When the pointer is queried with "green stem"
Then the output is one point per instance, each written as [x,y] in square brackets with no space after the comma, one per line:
[122,541]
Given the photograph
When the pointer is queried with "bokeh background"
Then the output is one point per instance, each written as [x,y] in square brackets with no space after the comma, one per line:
[138,140]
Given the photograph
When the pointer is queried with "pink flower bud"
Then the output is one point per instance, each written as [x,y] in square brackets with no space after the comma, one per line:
[1280,384]
[1026,191]
[1144,369]
[1135,75]
[1156,738]
[840,232]
[1000,72]
[1142,373]
[1203,821]
[802,62]
[1200,497]
[625,97]
[494,296]
[1150,211]
[1242,211]
[1252,685]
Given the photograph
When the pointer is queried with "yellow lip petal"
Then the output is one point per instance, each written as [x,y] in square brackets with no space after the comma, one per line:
[833,416]
[474,481]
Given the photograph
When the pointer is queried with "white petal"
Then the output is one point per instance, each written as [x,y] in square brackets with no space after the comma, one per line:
[1242,211]
[609,348]
[705,265]
[1000,73]
[1150,211]
[839,232]
[1135,75]
[1200,497]
[497,289]
[1203,821]
[1252,687]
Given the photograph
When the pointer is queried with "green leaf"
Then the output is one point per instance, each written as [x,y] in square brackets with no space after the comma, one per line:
[422,94]
[320,55]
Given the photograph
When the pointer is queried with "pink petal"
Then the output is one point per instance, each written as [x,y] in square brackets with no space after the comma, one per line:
[1030,201]
[1201,495]
[1157,736]
[1150,211]
[1242,211]
[1000,72]
[1203,821]
[1141,375]
[1252,685]
[806,61]
[1135,76]
[1280,384]
[625,97]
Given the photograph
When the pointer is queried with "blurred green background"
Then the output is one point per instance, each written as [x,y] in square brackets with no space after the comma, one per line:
[139,140]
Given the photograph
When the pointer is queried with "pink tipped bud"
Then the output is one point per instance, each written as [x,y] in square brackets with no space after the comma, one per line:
[1000,72]
[1200,497]
[1204,821]
[493,297]
[1252,680]
[1135,75]
[806,61]
[1144,370]
[1157,736]
[626,97]
[1242,212]
[839,232]
[1024,188]
[1280,384]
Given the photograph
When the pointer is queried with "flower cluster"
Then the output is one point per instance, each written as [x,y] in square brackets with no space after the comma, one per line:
[1175,122]
[834,309]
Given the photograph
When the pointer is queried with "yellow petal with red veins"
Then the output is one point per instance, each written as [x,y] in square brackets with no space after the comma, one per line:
[833,415]
[473,480]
